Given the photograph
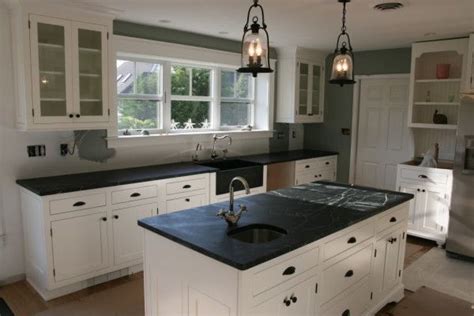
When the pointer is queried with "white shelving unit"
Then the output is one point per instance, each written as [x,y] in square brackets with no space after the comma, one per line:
[429,94]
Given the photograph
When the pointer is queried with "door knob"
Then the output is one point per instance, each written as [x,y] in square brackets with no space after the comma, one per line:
[293,298]
[287,302]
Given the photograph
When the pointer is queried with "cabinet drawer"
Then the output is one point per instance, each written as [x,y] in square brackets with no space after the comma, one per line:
[392,219]
[184,203]
[284,271]
[346,273]
[315,175]
[354,303]
[135,194]
[77,203]
[316,163]
[188,185]
[424,176]
[349,240]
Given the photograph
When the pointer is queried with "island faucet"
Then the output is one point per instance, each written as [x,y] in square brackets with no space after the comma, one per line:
[229,215]
[215,138]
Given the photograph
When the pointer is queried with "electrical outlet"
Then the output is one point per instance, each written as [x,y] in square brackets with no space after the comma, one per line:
[64,149]
[36,150]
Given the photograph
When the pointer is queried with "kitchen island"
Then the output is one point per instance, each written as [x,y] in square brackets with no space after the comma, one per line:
[316,249]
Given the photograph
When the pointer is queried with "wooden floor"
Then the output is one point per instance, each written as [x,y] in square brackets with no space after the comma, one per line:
[24,301]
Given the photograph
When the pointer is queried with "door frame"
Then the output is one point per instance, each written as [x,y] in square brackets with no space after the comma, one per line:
[355,115]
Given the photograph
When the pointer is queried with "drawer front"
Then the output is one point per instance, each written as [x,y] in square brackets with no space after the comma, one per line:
[284,271]
[355,303]
[392,219]
[346,273]
[424,176]
[135,194]
[349,240]
[184,203]
[188,185]
[315,175]
[77,203]
[316,163]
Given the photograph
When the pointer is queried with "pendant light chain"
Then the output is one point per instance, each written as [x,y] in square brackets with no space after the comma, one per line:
[343,28]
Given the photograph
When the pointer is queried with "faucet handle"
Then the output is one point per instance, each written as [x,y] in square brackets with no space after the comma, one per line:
[222,212]
[242,208]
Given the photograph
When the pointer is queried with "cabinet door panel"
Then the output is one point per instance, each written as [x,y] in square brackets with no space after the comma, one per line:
[432,208]
[303,85]
[90,65]
[412,213]
[51,69]
[392,257]
[201,304]
[184,203]
[299,300]
[79,245]
[128,236]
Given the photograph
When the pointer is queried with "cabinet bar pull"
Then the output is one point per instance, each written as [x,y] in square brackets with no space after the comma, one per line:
[136,194]
[393,220]
[422,176]
[289,271]
[352,240]
[187,186]
[349,274]
[327,162]
[80,203]
[347,312]
[307,166]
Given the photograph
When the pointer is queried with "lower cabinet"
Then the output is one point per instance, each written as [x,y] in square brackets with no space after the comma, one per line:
[183,203]
[316,169]
[299,300]
[80,245]
[128,236]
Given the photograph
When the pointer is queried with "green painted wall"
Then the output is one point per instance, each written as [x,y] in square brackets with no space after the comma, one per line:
[178,37]
[338,104]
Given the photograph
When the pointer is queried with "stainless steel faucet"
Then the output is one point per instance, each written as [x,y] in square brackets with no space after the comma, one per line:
[195,156]
[215,138]
[229,215]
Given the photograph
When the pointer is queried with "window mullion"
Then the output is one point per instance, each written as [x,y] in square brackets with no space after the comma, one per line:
[216,88]
[166,105]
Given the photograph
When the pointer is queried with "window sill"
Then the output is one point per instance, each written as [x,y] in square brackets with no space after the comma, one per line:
[182,137]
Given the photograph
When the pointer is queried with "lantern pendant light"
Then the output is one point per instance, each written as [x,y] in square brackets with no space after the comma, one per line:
[343,62]
[255,55]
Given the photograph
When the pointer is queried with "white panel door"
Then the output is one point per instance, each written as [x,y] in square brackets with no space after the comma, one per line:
[383,136]
[128,236]
[79,245]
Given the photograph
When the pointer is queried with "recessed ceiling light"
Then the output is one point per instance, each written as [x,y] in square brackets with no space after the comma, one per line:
[164,21]
[388,6]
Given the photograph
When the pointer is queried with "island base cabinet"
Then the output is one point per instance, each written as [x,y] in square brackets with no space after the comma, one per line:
[355,302]
[299,300]
[79,245]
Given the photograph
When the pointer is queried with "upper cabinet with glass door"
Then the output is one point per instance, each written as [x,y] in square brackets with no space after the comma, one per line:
[300,93]
[436,80]
[469,81]
[62,67]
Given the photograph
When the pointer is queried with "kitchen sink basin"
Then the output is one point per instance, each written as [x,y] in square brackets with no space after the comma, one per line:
[228,164]
[257,233]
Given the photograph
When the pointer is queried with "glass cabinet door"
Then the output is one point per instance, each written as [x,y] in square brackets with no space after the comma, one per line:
[91,71]
[303,88]
[315,90]
[51,71]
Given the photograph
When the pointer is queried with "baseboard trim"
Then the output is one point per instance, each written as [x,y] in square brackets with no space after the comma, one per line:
[13,279]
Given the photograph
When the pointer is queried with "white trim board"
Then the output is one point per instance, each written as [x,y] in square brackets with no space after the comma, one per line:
[355,115]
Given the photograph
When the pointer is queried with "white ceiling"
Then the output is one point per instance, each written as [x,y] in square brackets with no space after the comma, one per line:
[306,23]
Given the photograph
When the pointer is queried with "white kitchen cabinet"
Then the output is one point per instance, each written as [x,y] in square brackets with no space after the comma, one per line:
[300,93]
[62,63]
[429,210]
[469,81]
[183,203]
[80,245]
[316,169]
[298,300]
[127,235]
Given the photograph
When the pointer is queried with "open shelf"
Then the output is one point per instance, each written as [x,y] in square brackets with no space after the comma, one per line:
[434,126]
[53,99]
[90,75]
[48,45]
[438,80]
[438,103]
[54,73]
[91,100]
[89,50]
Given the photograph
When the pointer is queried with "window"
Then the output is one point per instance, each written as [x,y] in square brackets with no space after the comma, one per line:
[170,97]
[237,100]
[139,93]
[191,97]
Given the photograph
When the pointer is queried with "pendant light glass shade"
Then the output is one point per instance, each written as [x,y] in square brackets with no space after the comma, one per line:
[343,61]
[255,56]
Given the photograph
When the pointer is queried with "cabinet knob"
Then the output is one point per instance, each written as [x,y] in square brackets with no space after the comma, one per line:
[287,302]
[116,216]
[187,200]
[327,162]
[423,190]
[293,298]
[104,219]
[307,166]
[418,190]
[71,115]
[78,115]
[352,240]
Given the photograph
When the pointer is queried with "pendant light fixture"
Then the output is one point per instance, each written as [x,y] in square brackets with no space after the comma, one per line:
[343,62]
[255,55]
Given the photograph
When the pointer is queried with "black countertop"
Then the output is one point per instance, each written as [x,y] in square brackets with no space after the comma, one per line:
[285,156]
[308,213]
[101,179]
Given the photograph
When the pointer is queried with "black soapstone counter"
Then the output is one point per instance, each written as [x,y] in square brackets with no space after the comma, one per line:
[286,156]
[101,179]
[308,213]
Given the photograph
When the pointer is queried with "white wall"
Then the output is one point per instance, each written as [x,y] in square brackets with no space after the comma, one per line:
[14,163]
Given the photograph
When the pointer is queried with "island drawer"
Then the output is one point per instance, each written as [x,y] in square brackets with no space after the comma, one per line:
[427,176]
[346,273]
[80,202]
[268,278]
[392,219]
[352,302]
[347,241]
[134,194]
[183,203]
[186,185]
[315,163]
